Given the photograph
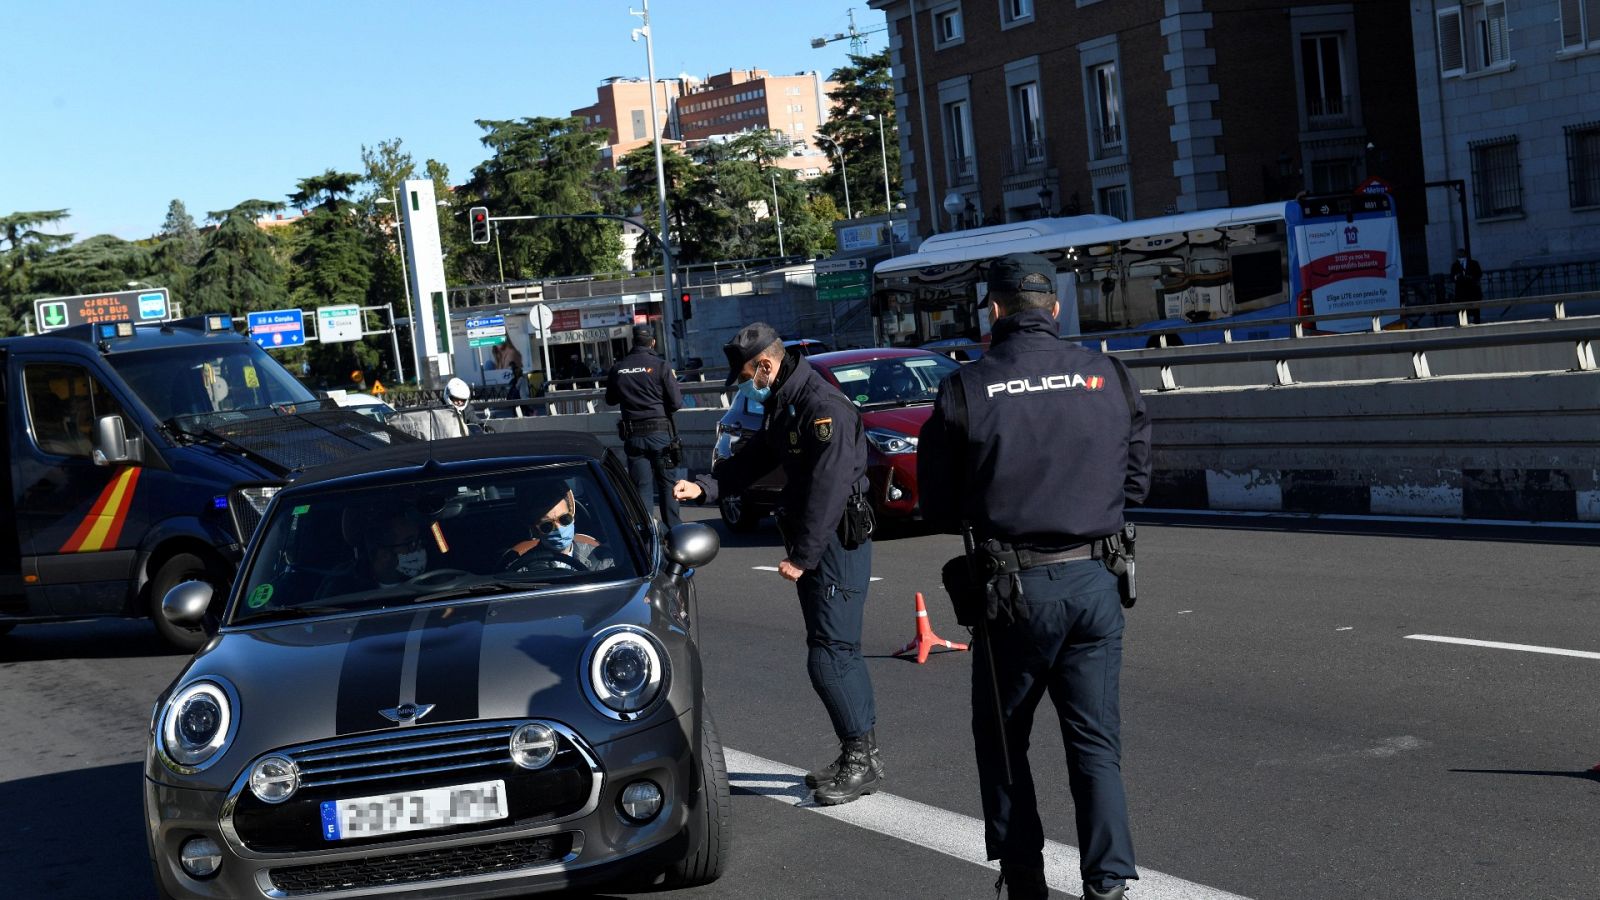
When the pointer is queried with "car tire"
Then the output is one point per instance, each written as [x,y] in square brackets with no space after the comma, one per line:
[711,823]
[175,571]
[737,516]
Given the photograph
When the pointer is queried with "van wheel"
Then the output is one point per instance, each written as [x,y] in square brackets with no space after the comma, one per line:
[737,516]
[711,824]
[175,571]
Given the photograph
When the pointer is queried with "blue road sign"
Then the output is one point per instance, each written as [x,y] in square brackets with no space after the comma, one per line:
[278,328]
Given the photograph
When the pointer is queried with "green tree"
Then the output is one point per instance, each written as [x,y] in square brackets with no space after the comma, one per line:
[240,269]
[865,88]
[545,166]
[22,246]
[177,251]
[100,263]
[331,264]
[692,225]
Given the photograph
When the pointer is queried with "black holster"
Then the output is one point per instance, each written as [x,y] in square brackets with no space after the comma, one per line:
[858,522]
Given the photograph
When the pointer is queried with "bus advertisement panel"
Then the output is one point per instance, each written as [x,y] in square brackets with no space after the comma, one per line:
[1346,258]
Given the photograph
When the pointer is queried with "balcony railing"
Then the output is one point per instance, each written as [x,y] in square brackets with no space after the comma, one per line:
[963,170]
[1328,112]
[1028,157]
[1108,141]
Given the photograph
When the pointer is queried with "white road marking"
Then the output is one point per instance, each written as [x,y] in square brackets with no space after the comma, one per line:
[775,568]
[1184,612]
[939,830]
[1501,645]
[1345,628]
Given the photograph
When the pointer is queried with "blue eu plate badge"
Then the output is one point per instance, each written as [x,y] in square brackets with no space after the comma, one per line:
[330,820]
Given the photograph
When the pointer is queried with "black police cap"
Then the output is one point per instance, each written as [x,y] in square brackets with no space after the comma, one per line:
[751,341]
[1022,272]
[643,334]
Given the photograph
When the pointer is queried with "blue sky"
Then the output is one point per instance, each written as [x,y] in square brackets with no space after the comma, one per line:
[112,108]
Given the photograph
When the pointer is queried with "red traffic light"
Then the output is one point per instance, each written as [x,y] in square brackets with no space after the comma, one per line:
[686,310]
[478,219]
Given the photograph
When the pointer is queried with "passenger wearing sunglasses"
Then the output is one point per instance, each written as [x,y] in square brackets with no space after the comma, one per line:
[554,542]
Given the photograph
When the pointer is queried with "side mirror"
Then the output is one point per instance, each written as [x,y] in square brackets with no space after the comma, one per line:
[112,444]
[187,603]
[691,545]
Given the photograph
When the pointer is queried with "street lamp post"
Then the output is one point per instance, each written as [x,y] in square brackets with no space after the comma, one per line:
[776,211]
[843,175]
[405,282]
[668,294]
[883,154]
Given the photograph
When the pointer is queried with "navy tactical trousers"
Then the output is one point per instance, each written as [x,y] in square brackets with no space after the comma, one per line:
[650,476]
[833,597]
[1070,646]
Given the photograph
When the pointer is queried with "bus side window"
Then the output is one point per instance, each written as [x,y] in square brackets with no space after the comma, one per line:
[63,404]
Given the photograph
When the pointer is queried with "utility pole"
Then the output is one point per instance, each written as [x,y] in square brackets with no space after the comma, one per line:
[669,293]
[776,211]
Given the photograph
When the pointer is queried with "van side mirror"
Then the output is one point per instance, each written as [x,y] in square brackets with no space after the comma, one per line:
[690,546]
[112,444]
[187,603]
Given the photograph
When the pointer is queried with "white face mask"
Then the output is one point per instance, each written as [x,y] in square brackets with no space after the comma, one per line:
[411,564]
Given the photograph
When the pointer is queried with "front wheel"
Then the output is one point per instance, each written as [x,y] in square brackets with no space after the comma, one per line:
[737,515]
[712,821]
[175,571]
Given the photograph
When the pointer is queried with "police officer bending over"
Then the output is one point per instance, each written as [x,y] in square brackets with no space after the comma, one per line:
[642,384]
[1036,447]
[815,434]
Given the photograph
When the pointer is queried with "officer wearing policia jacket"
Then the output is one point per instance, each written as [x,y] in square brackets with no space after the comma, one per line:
[643,385]
[814,433]
[1036,447]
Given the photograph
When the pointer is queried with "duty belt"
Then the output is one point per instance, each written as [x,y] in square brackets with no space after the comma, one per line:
[1003,558]
[646,426]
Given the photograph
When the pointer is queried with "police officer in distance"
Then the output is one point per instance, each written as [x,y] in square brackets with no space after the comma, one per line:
[811,430]
[643,385]
[1036,447]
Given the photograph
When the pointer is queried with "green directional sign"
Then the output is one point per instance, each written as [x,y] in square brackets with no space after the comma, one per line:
[53,315]
[842,286]
[486,341]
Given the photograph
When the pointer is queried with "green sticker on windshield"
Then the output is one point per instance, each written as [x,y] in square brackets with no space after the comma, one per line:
[860,399]
[261,596]
[302,509]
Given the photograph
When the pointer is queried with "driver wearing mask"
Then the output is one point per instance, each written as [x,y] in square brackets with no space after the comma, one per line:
[388,553]
[554,542]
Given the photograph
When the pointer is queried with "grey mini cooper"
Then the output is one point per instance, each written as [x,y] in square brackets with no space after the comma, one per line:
[454,669]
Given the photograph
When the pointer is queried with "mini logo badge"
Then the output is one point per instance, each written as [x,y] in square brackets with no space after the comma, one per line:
[407,713]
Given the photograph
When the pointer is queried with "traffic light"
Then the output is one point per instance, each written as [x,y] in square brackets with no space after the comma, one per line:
[685,310]
[479,217]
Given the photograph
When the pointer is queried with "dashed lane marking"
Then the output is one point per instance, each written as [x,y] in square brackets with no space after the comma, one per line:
[1501,645]
[775,568]
[939,830]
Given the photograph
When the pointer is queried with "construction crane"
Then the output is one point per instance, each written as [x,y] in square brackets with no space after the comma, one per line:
[857,37]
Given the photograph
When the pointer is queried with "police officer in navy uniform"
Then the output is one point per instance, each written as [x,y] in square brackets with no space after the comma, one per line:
[643,385]
[1036,447]
[815,434]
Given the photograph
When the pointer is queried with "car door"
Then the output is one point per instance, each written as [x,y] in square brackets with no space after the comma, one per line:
[73,519]
[12,600]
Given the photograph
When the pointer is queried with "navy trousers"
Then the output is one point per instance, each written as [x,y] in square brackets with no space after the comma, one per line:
[650,476]
[1071,647]
[833,598]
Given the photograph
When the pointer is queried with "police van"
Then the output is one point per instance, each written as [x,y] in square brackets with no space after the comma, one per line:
[140,457]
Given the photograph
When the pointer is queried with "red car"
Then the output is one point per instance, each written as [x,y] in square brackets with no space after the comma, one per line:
[893,387]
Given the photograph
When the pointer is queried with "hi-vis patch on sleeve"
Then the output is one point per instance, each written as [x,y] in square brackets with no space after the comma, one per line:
[824,429]
[1062,382]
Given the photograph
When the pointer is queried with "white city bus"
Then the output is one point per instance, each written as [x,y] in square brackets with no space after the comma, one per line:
[1318,255]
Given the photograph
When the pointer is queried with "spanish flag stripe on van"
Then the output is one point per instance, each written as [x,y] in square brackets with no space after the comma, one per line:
[103,524]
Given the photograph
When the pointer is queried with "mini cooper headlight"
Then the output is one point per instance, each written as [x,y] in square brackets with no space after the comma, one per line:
[274,779]
[626,672]
[533,745]
[196,724]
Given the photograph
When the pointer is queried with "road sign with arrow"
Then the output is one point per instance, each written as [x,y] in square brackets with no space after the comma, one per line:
[148,305]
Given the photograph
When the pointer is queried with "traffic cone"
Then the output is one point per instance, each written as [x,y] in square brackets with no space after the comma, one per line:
[926,640]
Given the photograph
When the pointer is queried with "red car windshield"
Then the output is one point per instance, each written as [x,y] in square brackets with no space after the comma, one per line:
[893,381]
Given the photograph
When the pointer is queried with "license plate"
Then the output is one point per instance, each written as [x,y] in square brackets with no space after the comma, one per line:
[414,811]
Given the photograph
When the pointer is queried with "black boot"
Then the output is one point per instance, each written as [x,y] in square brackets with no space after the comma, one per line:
[1022,882]
[822,776]
[1115,893]
[856,776]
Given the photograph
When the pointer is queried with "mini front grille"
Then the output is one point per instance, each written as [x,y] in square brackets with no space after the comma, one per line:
[403,752]
[427,865]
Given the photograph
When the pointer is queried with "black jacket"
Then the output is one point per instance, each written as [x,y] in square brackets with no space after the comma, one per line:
[642,384]
[811,430]
[1040,442]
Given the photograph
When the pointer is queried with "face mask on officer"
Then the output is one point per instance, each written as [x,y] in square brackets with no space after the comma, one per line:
[751,387]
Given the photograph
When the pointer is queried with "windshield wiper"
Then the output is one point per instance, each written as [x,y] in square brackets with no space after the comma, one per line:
[479,589]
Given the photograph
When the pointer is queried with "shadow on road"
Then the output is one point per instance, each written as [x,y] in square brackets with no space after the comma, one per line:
[97,639]
[74,834]
[1582,775]
[1578,534]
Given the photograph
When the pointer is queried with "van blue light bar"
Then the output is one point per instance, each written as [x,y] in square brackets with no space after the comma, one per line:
[109,331]
[219,322]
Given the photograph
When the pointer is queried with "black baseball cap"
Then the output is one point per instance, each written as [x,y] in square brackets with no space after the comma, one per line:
[1022,272]
[751,341]
[643,334]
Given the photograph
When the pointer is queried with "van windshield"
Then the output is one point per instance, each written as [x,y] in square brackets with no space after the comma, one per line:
[184,383]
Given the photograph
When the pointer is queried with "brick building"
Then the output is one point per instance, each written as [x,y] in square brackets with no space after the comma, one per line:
[622,108]
[1137,108]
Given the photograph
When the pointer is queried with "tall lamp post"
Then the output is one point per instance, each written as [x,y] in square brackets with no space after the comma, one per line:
[405,279]
[883,154]
[668,293]
[777,212]
[844,175]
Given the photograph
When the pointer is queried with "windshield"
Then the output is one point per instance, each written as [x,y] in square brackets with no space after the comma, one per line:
[895,381]
[187,382]
[373,548]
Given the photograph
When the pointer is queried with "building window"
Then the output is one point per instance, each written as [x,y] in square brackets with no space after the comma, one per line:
[1491,44]
[958,137]
[639,129]
[1323,81]
[1580,24]
[1108,109]
[1015,12]
[1334,176]
[1583,164]
[1027,128]
[1496,177]
[1112,201]
[947,27]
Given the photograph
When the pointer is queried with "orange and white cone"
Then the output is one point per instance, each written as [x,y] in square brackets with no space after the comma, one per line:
[926,640]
